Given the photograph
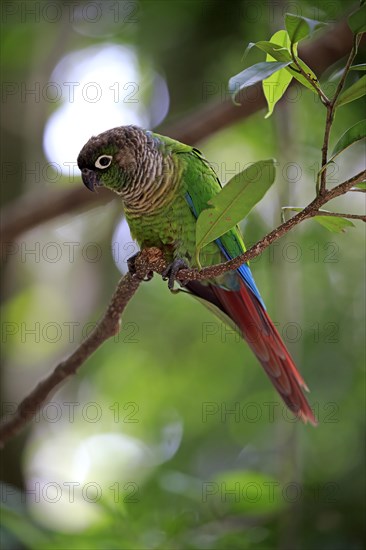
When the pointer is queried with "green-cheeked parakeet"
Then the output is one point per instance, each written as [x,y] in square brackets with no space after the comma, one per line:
[164,185]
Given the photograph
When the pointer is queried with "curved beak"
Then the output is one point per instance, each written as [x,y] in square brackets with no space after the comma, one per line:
[90,179]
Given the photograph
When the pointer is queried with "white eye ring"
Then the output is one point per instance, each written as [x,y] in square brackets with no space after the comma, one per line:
[103,161]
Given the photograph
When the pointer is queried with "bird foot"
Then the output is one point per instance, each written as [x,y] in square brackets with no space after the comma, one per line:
[133,268]
[170,273]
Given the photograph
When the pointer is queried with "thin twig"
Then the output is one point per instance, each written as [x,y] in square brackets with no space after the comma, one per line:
[358,190]
[339,215]
[330,117]
[313,83]
[325,213]
[351,57]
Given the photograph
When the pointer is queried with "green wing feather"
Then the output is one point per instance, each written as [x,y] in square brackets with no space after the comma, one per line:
[202,184]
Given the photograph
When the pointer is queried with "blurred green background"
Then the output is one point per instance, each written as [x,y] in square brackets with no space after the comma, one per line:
[170,436]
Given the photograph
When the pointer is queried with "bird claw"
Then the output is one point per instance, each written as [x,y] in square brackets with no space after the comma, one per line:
[148,276]
[131,265]
[170,273]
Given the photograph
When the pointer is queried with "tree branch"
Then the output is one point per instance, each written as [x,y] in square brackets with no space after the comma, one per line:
[149,260]
[108,326]
[30,210]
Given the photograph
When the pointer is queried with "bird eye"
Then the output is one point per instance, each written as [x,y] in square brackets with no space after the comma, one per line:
[103,161]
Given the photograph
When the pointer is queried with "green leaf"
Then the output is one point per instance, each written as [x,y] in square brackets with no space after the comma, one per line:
[357,90]
[283,54]
[299,27]
[336,75]
[254,74]
[234,202]
[359,67]
[276,85]
[277,51]
[357,20]
[334,223]
[353,134]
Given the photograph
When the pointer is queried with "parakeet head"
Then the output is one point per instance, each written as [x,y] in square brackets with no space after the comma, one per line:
[112,158]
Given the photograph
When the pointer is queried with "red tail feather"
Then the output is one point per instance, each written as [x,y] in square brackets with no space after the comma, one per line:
[263,338]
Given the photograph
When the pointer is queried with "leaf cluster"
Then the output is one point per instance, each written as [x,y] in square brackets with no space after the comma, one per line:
[276,73]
